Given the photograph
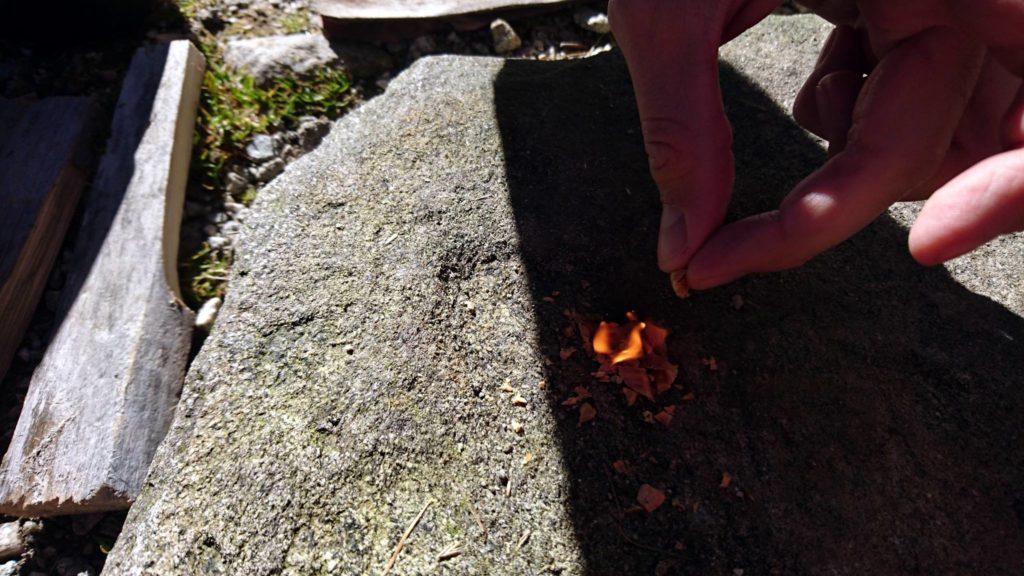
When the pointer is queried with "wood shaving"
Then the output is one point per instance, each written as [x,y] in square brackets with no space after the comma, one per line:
[650,498]
[587,413]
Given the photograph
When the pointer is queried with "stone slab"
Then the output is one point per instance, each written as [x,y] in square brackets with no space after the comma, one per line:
[393,284]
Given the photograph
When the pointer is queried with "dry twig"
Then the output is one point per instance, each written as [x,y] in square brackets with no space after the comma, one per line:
[401,542]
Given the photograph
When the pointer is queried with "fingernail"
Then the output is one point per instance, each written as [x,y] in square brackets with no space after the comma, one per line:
[679,284]
[672,240]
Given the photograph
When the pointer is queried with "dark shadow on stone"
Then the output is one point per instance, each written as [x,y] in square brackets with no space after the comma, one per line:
[868,410]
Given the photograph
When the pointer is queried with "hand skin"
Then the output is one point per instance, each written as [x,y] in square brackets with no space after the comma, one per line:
[917,99]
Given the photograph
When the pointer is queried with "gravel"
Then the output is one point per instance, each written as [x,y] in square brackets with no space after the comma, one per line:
[505,38]
[207,314]
[592,20]
[260,148]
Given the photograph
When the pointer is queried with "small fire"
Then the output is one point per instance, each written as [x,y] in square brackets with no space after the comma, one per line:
[605,342]
[635,354]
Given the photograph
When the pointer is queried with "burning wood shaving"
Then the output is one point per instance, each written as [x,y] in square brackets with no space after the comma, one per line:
[587,413]
[726,480]
[633,353]
[650,498]
[565,353]
[621,466]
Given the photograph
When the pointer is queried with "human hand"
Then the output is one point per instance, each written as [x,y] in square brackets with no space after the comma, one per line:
[941,108]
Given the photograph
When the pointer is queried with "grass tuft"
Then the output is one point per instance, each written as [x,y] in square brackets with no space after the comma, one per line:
[233,109]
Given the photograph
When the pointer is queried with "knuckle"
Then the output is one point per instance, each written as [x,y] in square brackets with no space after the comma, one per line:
[670,162]
[674,151]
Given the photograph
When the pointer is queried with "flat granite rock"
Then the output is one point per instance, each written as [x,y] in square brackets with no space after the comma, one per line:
[395,283]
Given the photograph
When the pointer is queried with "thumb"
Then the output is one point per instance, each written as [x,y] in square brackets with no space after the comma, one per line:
[671,49]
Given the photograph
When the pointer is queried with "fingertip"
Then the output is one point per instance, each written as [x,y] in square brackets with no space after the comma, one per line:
[923,249]
[709,266]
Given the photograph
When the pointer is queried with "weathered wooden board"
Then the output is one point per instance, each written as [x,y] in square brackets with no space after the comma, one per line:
[103,395]
[390,19]
[44,162]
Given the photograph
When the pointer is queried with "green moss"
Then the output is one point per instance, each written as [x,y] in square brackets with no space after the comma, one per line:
[294,23]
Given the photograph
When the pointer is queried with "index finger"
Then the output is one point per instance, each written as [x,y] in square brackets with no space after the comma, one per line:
[903,124]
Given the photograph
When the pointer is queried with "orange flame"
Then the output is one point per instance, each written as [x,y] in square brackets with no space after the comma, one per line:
[603,339]
[607,341]
[635,346]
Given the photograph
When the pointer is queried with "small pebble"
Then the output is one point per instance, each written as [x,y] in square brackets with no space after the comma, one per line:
[505,38]
[517,427]
[234,183]
[217,242]
[268,171]
[261,148]
[593,20]
[208,314]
